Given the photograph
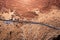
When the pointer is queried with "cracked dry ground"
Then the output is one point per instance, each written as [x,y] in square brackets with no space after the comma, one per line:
[22,31]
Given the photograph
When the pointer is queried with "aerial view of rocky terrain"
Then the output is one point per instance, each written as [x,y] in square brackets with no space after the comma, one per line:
[29,19]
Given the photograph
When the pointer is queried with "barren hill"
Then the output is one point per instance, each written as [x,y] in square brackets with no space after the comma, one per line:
[48,14]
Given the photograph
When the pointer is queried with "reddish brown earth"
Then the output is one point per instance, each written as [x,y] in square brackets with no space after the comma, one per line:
[22,31]
[25,5]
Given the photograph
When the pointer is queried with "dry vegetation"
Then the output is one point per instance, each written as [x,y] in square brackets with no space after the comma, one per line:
[22,31]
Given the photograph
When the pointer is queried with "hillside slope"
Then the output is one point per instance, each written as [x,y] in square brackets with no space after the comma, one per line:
[23,31]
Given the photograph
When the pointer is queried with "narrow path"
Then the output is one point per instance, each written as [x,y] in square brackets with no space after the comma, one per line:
[30,22]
